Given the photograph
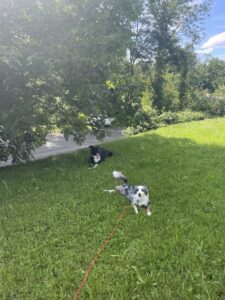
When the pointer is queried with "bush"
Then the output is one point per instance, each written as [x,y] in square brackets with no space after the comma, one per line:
[189,115]
[211,103]
[170,91]
[166,118]
[217,101]
[138,129]
[140,123]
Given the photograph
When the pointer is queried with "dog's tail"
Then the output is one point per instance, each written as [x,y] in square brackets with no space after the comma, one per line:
[109,153]
[119,175]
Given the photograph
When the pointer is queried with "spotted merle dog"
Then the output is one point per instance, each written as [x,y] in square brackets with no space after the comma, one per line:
[137,195]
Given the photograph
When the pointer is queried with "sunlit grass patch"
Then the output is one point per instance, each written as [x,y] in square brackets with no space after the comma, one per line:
[210,132]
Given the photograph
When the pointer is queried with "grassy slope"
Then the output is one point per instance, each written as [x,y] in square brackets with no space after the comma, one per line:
[54,216]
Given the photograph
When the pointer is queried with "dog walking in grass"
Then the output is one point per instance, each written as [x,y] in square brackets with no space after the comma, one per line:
[138,195]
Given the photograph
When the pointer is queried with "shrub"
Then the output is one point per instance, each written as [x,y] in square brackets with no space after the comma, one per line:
[170,91]
[211,103]
[140,123]
[189,115]
[166,118]
[217,101]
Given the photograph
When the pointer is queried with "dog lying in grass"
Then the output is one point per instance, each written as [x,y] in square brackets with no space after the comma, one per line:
[137,195]
[98,155]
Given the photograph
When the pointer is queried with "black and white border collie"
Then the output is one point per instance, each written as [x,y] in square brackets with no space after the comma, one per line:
[137,195]
[98,155]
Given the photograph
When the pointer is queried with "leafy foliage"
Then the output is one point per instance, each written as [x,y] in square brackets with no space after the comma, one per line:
[55,59]
[147,122]
[63,61]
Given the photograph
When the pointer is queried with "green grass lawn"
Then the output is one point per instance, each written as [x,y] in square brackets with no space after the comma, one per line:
[54,217]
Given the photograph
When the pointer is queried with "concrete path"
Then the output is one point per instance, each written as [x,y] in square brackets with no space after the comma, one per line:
[56,144]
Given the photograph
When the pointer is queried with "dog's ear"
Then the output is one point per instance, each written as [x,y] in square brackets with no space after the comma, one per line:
[145,190]
[135,189]
[93,150]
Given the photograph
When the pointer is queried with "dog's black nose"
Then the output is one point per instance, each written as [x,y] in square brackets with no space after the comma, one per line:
[139,194]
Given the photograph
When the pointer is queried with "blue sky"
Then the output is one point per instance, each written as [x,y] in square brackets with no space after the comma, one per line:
[213,41]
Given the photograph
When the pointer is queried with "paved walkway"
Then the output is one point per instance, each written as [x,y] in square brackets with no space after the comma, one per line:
[56,144]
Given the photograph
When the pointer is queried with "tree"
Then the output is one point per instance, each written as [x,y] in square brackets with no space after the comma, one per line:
[163,27]
[211,74]
[56,58]
[25,93]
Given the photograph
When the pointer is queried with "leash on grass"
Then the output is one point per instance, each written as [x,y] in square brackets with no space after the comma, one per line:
[109,237]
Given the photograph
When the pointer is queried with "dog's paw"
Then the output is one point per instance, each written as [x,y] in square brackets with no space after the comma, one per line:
[93,167]
[109,191]
[149,212]
[135,209]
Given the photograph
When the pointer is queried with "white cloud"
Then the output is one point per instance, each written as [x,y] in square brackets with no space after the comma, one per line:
[215,41]
[204,51]
[198,1]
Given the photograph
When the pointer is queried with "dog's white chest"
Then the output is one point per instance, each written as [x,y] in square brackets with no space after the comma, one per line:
[97,158]
[141,201]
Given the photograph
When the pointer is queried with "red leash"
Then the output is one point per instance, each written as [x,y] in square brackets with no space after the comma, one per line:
[121,216]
